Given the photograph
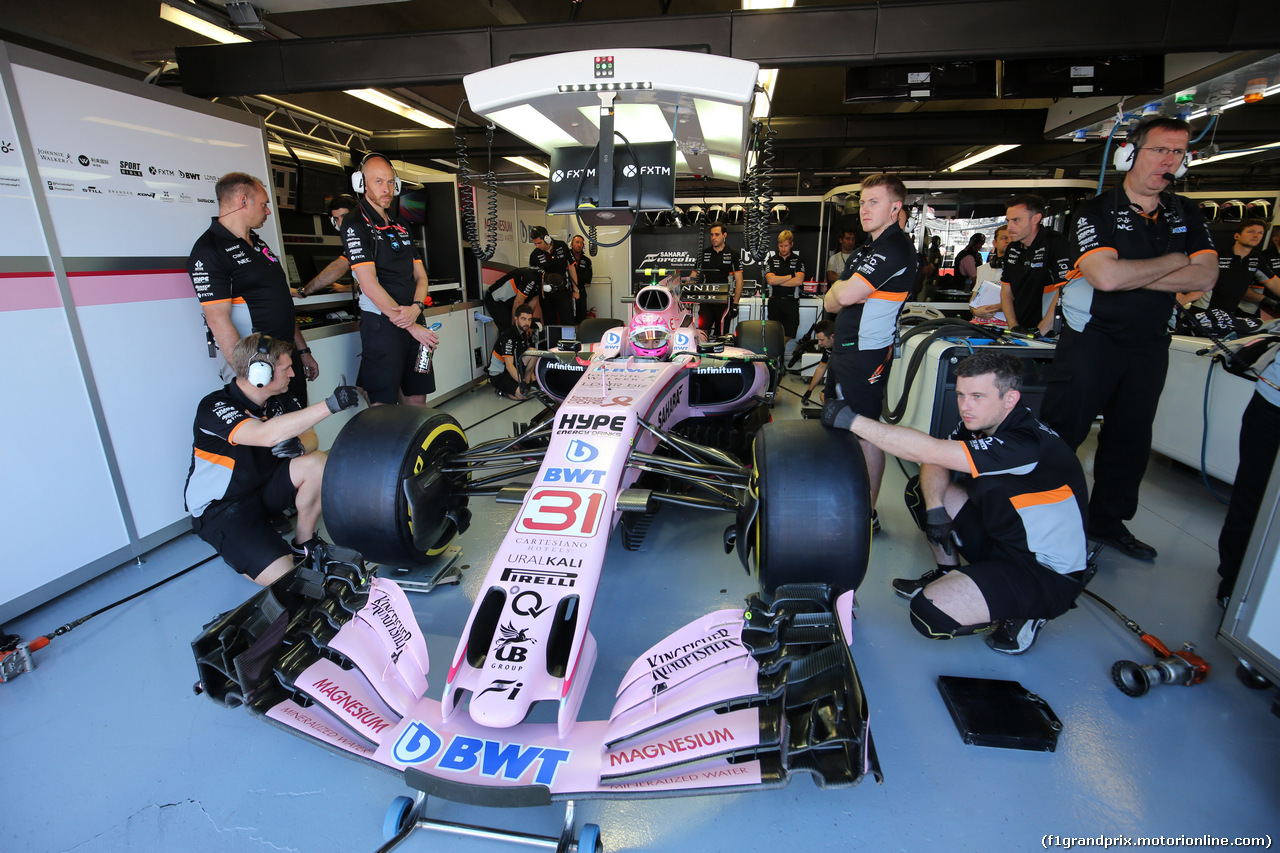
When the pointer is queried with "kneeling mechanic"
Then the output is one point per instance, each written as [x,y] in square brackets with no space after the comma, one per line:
[1016,513]
[254,456]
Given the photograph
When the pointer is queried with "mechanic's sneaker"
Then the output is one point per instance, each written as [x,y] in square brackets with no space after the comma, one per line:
[875,521]
[908,587]
[1015,636]
[1119,537]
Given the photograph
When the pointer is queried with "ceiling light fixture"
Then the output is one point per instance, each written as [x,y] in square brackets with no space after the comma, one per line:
[767,79]
[531,165]
[980,156]
[198,24]
[399,107]
[754,5]
[303,154]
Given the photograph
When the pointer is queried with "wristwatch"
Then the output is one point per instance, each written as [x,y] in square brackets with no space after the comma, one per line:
[421,305]
[305,351]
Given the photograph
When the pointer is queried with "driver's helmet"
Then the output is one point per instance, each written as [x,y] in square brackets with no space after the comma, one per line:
[649,335]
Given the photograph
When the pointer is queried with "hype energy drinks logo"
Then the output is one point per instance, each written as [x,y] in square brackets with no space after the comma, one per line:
[419,744]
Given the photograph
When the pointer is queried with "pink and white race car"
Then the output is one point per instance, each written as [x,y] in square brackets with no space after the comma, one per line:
[739,697]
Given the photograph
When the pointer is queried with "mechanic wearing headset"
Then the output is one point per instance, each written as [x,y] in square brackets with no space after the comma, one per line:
[1136,247]
[1036,266]
[339,206]
[559,277]
[393,291]
[881,273]
[240,284]
[1016,513]
[255,454]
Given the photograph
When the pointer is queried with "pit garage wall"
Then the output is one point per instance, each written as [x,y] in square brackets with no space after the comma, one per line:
[104,185]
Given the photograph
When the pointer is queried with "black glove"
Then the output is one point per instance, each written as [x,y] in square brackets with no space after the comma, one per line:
[838,415]
[804,398]
[343,397]
[290,448]
[939,528]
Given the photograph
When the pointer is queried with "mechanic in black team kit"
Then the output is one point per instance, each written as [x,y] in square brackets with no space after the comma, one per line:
[719,265]
[508,372]
[784,273]
[393,291]
[254,454]
[1136,247]
[1035,266]
[559,277]
[241,286]
[582,270]
[866,304]
[1016,514]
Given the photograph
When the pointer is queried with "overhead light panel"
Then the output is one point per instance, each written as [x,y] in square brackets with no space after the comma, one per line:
[531,165]
[303,154]
[527,123]
[197,24]
[636,122]
[993,151]
[399,107]
[751,5]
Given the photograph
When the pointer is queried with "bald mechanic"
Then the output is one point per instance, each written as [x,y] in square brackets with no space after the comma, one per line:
[239,281]
[1136,247]
[393,292]
[1016,513]
[254,455]
[866,304]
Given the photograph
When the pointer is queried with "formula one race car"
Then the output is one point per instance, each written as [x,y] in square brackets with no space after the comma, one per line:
[739,697]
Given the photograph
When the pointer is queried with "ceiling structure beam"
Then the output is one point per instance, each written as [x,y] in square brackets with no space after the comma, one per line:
[885,32]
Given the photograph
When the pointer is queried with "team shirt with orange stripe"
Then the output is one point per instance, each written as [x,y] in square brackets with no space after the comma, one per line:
[388,247]
[220,468]
[889,264]
[245,275]
[1111,223]
[1031,491]
[1035,273]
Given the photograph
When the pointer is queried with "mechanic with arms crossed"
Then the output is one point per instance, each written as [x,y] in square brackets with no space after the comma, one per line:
[240,284]
[1136,248]
[881,273]
[1016,514]
[393,291]
[255,454]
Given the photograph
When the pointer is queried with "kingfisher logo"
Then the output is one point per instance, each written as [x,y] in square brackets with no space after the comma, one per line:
[494,759]
[580,452]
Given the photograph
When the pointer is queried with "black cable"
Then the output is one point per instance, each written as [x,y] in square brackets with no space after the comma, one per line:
[470,227]
[940,328]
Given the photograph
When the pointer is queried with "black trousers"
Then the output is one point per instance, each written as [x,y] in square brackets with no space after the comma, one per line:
[1259,440]
[1094,374]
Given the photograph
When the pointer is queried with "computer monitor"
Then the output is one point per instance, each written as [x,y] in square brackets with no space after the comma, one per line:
[644,178]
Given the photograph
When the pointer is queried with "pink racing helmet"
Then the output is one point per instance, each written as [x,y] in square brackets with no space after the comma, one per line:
[649,335]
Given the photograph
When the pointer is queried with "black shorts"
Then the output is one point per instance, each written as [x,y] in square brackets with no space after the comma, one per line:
[240,530]
[387,356]
[503,383]
[787,312]
[714,318]
[1012,588]
[860,377]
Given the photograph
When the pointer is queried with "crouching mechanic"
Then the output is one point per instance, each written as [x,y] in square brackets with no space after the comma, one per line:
[254,455]
[509,370]
[1017,513]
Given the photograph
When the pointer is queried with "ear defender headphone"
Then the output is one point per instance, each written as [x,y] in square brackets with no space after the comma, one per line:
[357,177]
[261,371]
[1126,153]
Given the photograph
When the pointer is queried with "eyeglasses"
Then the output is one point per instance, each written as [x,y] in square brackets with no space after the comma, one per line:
[1163,152]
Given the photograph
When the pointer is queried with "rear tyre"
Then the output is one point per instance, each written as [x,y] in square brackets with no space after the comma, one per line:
[363,498]
[814,519]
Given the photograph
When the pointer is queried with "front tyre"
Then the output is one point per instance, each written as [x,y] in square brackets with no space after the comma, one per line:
[363,494]
[814,518]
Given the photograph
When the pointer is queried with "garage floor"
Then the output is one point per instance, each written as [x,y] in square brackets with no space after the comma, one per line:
[106,747]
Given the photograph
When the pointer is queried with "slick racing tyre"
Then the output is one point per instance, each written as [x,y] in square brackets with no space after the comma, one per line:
[363,493]
[593,328]
[814,519]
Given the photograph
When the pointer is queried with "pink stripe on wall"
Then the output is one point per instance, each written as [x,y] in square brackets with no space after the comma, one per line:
[117,288]
[28,291]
